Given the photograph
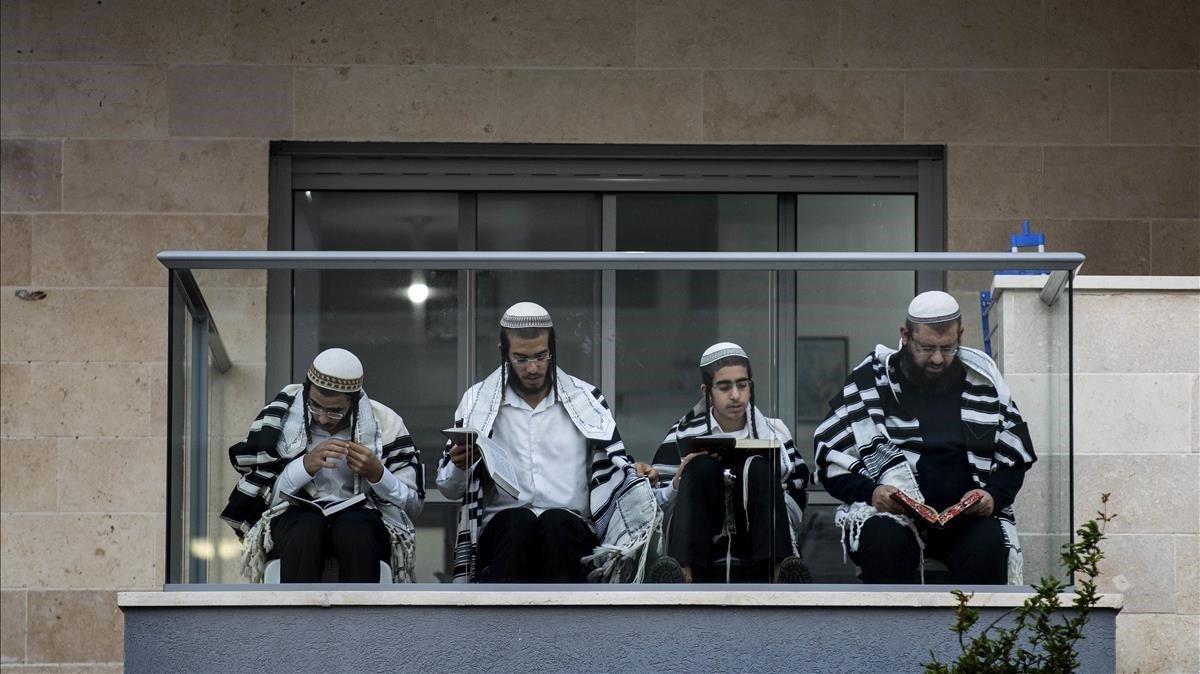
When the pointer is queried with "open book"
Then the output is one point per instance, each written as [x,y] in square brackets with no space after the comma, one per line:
[729,448]
[929,515]
[495,457]
[326,507]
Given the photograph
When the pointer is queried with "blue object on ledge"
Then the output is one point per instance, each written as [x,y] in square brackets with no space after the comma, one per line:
[1025,239]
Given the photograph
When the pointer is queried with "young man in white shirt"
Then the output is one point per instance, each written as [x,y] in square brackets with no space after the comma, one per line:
[558,433]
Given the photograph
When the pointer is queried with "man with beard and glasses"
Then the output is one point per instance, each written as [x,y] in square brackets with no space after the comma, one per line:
[937,421]
[558,433]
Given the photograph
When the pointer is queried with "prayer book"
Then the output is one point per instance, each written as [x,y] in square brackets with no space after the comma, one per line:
[495,457]
[929,515]
[326,506]
[729,448]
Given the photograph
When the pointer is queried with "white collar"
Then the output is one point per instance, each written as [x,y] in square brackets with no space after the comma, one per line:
[716,425]
[514,399]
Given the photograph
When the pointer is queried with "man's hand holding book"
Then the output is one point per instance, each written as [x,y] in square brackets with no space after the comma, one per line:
[882,499]
[986,505]
[889,499]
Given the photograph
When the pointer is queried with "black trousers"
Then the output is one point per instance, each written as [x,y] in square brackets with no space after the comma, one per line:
[304,538]
[699,515]
[517,546]
[974,550]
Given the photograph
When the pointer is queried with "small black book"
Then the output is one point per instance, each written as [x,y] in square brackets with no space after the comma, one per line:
[729,448]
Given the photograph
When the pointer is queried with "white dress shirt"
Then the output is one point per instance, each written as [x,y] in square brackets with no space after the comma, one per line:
[548,451]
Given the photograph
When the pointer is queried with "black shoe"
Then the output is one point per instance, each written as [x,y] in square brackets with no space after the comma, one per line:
[793,570]
[665,570]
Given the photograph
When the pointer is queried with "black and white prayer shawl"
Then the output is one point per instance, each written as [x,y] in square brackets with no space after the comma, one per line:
[868,432]
[793,472]
[278,435]
[612,472]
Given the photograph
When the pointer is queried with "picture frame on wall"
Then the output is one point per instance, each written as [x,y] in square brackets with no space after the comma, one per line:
[821,369]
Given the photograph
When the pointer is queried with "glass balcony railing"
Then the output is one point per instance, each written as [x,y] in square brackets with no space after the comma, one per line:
[424,324]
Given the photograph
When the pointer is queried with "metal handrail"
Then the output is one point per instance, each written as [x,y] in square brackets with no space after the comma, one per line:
[620,261]
[193,297]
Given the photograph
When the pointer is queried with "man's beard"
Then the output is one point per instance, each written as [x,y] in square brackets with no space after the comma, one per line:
[518,384]
[924,381]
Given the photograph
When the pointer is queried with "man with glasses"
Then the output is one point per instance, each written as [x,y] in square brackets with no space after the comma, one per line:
[765,501]
[558,433]
[937,421]
[327,472]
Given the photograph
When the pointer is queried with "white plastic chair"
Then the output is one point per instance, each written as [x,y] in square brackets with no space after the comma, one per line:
[271,572]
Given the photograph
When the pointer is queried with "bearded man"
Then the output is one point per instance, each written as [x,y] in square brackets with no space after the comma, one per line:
[936,420]
[561,439]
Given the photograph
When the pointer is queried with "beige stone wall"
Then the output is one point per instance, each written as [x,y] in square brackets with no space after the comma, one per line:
[1137,437]
[128,127]
[1140,442]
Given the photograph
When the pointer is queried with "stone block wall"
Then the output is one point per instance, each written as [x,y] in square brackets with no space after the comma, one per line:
[130,127]
[1136,436]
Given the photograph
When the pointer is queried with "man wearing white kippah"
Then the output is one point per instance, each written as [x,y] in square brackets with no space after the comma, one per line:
[559,435]
[765,502]
[327,472]
[936,421]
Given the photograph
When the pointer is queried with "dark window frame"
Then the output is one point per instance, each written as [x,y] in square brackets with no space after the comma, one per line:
[605,170]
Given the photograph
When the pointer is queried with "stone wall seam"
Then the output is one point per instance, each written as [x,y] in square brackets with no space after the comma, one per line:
[62,174]
[1110,106]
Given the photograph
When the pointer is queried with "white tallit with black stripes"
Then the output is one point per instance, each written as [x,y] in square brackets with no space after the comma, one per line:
[793,472]
[278,435]
[867,432]
[611,469]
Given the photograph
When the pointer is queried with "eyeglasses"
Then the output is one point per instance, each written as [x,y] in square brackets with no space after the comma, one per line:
[331,414]
[522,361]
[727,386]
[946,351]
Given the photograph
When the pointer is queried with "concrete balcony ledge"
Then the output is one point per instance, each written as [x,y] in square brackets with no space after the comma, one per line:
[828,596]
[1100,283]
[430,628]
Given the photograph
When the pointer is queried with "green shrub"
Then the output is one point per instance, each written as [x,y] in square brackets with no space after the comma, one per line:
[1038,640]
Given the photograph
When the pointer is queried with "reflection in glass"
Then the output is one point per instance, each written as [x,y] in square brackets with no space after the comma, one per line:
[840,317]
[665,320]
[402,324]
[540,222]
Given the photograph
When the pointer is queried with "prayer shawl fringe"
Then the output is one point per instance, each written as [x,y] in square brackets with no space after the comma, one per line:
[864,434]
[612,470]
[793,472]
[278,435]
[621,556]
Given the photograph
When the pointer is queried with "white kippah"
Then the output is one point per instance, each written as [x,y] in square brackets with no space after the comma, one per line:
[933,306]
[721,350]
[337,370]
[526,315]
